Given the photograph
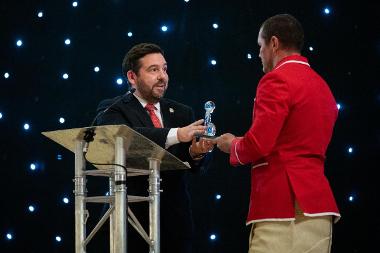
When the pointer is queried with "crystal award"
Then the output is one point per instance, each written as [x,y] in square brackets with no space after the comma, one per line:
[211,129]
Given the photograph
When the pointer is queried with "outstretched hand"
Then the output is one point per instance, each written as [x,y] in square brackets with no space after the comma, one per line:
[224,141]
[199,148]
[187,133]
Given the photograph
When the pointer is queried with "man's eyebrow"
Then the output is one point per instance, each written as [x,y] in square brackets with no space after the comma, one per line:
[156,65]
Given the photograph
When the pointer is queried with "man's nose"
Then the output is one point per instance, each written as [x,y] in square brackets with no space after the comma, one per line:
[162,75]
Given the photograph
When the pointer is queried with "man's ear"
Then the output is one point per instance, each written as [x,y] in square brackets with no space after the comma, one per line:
[275,43]
[132,78]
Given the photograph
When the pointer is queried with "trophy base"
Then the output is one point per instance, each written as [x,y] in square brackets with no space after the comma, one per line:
[206,136]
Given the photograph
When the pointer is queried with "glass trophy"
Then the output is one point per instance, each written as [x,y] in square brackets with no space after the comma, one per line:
[211,129]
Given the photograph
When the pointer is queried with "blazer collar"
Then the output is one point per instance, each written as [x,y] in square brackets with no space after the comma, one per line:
[292,59]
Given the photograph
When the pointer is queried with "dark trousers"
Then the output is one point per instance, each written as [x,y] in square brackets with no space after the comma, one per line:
[176,216]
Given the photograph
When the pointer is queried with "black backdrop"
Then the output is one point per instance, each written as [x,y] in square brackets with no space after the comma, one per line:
[346,51]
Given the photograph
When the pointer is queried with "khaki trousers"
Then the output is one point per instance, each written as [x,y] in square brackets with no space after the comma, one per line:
[304,235]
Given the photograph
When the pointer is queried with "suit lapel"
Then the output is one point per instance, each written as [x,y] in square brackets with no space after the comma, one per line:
[138,111]
[167,113]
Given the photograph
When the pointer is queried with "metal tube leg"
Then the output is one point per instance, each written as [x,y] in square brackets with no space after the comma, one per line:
[80,194]
[120,214]
[112,220]
[154,204]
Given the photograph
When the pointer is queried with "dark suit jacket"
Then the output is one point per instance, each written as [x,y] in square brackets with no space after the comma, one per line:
[176,217]
[128,111]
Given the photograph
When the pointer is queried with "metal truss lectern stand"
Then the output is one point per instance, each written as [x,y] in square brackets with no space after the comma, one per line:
[117,152]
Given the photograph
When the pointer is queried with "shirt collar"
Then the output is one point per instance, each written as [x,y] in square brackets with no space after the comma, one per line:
[143,102]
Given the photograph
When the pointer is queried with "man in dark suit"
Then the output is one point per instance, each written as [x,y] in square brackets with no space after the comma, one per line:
[169,124]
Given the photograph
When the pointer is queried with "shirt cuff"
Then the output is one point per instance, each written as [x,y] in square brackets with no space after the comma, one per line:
[171,139]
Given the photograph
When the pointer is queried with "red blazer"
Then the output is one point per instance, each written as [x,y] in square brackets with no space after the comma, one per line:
[293,119]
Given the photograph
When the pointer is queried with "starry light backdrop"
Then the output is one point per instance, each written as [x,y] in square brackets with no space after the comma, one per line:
[59,58]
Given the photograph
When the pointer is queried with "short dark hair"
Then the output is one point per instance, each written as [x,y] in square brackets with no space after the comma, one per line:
[131,60]
[286,28]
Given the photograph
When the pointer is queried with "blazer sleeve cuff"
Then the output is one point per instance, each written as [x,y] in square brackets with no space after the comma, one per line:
[234,156]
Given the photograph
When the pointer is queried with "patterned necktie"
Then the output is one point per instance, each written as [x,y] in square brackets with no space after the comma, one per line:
[156,121]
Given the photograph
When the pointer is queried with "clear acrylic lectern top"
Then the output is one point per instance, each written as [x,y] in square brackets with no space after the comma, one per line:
[102,149]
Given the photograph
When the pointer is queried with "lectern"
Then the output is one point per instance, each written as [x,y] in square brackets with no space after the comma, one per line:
[117,152]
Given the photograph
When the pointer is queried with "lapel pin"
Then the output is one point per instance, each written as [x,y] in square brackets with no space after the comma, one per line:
[171,110]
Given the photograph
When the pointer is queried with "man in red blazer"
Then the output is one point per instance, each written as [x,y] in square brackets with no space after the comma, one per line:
[294,112]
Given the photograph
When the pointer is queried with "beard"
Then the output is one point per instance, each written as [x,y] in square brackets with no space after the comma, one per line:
[152,94]
[158,90]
